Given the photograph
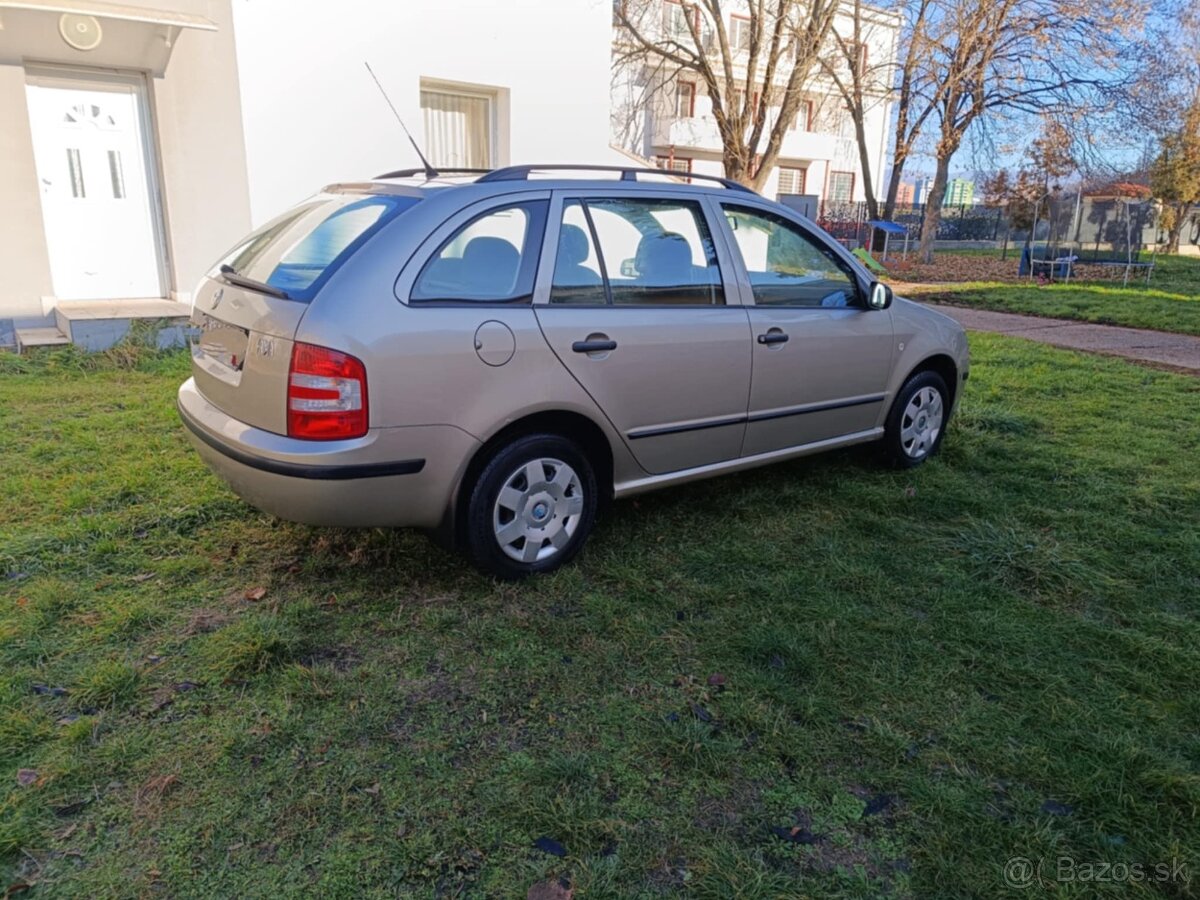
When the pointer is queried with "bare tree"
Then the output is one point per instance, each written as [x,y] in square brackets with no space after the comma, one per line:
[1165,103]
[766,67]
[862,82]
[1016,57]
[904,78]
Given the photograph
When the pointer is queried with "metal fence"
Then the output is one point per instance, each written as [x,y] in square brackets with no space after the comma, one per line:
[1093,226]
[848,222]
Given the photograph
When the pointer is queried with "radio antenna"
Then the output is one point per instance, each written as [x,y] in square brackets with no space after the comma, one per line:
[430,171]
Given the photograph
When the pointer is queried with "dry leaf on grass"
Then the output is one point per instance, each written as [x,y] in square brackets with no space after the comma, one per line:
[256,594]
[155,788]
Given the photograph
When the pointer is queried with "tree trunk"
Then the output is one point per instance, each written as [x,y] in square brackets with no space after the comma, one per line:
[864,160]
[737,168]
[933,209]
[1182,211]
[893,189]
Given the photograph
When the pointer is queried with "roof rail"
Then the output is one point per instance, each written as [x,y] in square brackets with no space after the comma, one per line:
[628,173]
[409,173]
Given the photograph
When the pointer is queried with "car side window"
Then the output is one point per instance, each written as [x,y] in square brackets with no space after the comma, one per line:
[787,266]
[577,279]
[491,259]
[645,252]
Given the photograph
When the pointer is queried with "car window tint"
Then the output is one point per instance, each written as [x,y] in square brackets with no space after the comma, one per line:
[656,252]
[491,259]
[577,279]
[304,262]
[787,266]
[301,249]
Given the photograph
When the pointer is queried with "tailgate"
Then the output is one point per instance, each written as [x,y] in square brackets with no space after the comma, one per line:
[249,307]
[241,348]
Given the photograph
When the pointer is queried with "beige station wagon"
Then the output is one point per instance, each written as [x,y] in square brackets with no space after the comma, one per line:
[492,356]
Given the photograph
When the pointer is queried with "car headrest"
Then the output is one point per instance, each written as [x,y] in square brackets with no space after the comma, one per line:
[665,259]
[573,246]
[491,263]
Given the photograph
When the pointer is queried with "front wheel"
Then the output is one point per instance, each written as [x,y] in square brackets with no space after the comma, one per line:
[917,423]
[532,507]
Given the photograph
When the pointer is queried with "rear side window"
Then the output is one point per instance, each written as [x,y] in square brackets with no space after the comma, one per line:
[636,252]
[491,259]
[298,251]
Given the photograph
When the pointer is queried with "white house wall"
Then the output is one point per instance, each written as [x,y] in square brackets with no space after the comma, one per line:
[313,116]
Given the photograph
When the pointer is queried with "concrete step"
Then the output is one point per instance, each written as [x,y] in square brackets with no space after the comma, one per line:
[99,324]
[40,337]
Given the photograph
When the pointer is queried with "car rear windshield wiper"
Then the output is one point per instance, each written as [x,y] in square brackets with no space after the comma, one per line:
[231,275]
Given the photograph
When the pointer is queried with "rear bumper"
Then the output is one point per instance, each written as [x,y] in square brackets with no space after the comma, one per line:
[391,477]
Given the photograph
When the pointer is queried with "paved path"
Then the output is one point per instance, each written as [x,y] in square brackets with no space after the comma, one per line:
[1159,348]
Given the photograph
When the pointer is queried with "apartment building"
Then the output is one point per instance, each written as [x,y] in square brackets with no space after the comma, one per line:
[140,142]
[959,192]
[663,113]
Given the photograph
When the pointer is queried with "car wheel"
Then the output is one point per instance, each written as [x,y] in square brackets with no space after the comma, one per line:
[532,507]
[917,423]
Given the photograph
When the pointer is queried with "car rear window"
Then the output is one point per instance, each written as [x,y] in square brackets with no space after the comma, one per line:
[298,251]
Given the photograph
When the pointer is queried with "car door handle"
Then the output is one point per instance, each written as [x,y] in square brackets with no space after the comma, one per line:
[594,346]
[773,337]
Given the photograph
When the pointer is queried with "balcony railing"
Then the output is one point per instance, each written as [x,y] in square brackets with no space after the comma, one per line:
[701,133]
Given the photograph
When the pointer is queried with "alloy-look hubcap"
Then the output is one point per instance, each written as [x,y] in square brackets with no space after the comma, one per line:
[537,510]
[921,423]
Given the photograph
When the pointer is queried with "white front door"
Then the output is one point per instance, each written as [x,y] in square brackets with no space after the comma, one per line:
[92,158]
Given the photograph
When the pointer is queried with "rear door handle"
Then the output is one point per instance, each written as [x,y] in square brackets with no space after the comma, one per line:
[773,337]
[594,346]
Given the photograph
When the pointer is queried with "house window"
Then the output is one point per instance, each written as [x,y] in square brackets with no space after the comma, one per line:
[459,128]
[803,120]
[791,181]
[739,31]
[841,187]
[675,19]
[737,99]
[680,164]
[685,100]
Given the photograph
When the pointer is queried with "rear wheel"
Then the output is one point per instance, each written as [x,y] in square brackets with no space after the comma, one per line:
[917,423]
[532,507]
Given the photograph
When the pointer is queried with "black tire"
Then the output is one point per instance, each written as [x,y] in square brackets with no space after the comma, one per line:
[898,450]
[483,544]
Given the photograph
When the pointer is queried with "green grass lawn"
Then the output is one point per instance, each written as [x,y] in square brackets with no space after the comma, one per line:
[1171,302]
[819,679]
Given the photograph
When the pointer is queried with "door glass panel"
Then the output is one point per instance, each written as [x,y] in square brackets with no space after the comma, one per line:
[788,267]
[491,259]
[577,279]
[116,174]
[657,253]
[76,172]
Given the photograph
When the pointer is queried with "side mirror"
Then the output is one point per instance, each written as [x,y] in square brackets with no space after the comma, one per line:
[880,296]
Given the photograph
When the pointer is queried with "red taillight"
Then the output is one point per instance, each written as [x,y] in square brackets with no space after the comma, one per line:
[327,394]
